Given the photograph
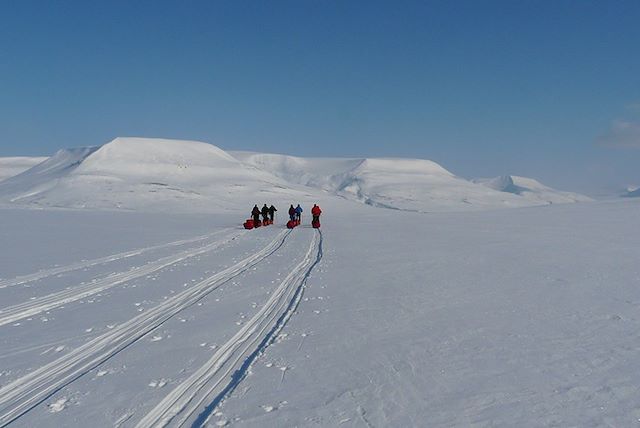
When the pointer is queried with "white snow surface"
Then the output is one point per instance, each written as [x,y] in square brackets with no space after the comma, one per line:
[531,190]
[10,166]
[152,306]
[146,174]
[186,176]
[525,317]
[405,184]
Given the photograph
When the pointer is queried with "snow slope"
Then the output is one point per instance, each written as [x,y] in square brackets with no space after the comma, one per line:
[406,184]
[15,165]
[397,319]
[147,174]
[531,190]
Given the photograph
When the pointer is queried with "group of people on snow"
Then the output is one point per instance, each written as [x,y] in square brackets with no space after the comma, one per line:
[295,214]
[266,212]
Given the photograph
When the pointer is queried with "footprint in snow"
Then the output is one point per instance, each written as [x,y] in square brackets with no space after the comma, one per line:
[155,339]
[158,383]
[58,406]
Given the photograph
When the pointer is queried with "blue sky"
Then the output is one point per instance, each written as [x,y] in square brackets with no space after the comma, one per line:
[547,89]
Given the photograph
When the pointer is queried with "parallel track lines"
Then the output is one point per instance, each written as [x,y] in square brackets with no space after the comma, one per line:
[228,366]
[23,394]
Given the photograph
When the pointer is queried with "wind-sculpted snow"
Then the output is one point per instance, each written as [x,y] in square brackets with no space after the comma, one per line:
[21,395]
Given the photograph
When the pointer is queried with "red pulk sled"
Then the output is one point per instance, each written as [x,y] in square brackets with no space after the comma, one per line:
[257,224]
[315,224]
[293,223]
[248,224]
[267,222]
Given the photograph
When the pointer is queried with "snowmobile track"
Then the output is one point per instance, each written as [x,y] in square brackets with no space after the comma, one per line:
[23,394]
[24,279]
[193,401]
[71,294]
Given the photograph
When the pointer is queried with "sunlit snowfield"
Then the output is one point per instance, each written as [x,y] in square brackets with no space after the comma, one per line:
[521,317]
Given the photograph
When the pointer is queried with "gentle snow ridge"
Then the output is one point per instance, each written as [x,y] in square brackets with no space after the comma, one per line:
[530,189]
[12,166]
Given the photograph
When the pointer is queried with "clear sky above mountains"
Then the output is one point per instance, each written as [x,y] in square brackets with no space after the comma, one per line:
[549,89]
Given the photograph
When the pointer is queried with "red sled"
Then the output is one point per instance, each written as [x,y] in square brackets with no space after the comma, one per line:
[315,224]
[248,224]
[267,222]
[257,223]
[291,224]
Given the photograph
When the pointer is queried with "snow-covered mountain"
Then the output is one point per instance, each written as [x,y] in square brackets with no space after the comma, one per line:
[530,189]
[144,173]
[176,175]
[15,165]
[407,184]
[632,192]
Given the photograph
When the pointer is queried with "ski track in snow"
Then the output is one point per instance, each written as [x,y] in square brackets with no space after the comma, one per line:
[23,394]
[29,308]
[24,279]
[217,378]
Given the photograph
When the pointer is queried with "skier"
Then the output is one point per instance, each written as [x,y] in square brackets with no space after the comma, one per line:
[298,213]
[315,212]
[255,213]
[292,213]
[265,214]
[272,211]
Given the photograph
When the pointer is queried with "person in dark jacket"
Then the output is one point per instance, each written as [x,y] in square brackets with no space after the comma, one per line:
[292,213]
[255,214]
[272,211]
[265,213]
[298,212]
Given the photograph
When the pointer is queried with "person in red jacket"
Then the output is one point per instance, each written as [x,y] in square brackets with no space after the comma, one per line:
[315,212]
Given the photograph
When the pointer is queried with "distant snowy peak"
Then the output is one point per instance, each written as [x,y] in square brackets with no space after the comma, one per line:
[633,192]
[530,189]
[12,166]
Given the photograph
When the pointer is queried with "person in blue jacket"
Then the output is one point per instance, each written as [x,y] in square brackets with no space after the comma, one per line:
[298,212]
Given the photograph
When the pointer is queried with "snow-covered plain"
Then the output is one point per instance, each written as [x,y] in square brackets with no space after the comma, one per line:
[510,317]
